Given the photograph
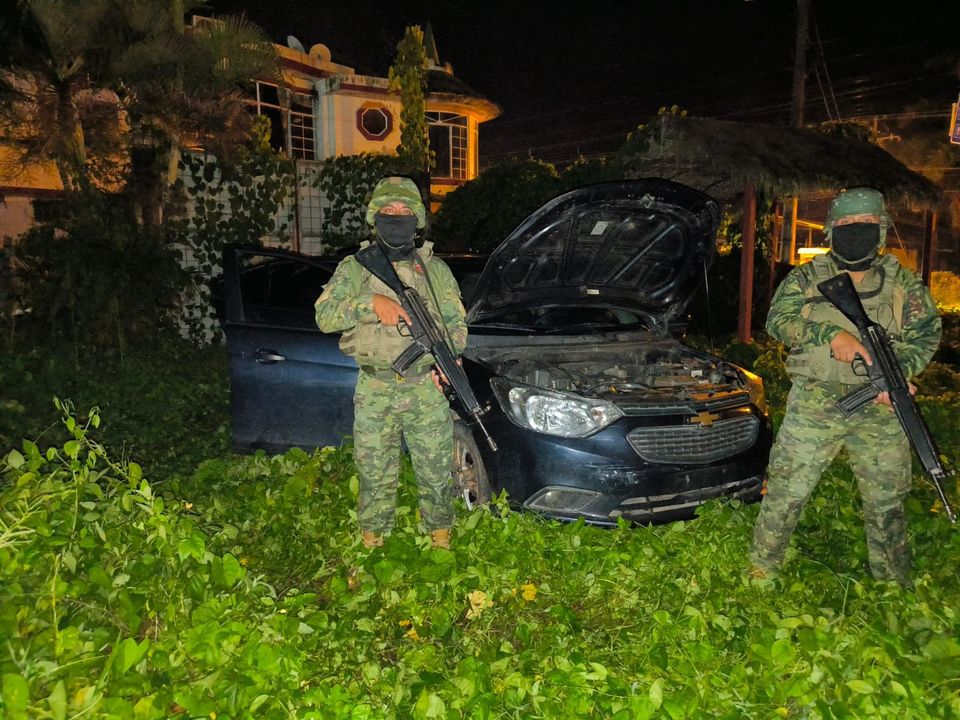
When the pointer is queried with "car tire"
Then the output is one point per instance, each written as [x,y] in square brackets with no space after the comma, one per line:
[469,475]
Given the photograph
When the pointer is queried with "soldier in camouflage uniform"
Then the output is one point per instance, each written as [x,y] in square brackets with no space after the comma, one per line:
[823,344]
[386,405]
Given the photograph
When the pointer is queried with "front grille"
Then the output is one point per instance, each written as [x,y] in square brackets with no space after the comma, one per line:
[694,443]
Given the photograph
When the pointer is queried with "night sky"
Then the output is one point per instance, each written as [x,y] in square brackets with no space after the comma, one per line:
[574,78]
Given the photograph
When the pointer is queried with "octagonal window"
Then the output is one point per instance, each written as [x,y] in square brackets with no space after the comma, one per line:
[374,123]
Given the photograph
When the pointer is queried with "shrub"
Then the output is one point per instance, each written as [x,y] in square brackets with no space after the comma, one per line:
[479,215]
[949,350]
[244,592]
[945,287]
[95,278]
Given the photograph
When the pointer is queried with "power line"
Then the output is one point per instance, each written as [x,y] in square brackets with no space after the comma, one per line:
[823,61]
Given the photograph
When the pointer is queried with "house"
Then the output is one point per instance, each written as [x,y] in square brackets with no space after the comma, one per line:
[321,109]
[325,109]
[318,109]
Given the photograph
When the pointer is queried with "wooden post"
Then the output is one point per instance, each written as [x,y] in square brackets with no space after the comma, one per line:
[746,261]
[929,243]
[793,229]
[776,246]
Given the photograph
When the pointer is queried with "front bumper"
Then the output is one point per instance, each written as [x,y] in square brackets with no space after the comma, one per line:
[603,478]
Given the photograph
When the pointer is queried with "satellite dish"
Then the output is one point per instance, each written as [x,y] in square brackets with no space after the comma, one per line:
[292,42]
[321,52]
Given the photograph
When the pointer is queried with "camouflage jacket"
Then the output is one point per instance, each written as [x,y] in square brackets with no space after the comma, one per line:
[346,304]
[912,320]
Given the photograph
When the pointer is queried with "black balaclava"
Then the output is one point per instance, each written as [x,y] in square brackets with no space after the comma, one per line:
[855,246]
[396,234]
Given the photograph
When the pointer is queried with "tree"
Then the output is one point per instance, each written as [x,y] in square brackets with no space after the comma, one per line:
[49,105]
[184,86]
[477,216]
[408,76]
[113,88]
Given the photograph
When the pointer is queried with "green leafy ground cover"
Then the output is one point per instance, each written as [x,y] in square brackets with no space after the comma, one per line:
[169,408]
[239,590]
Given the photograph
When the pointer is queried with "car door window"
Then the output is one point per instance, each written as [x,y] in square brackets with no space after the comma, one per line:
[280,291]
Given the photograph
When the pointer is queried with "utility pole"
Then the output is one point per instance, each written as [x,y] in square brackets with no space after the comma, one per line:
[802,42]
[800,63]
[749,190]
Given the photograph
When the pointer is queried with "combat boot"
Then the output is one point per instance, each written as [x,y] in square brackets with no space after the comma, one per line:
[441,538]
[372,539]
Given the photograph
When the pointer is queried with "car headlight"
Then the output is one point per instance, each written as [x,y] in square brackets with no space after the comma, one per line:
[553,413]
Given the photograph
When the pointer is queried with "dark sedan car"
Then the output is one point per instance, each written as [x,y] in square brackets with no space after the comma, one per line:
[598,411]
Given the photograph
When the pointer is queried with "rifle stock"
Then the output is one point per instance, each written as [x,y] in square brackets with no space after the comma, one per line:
[427,337]
[886,375]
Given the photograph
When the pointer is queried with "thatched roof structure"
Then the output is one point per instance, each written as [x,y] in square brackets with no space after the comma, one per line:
[720,156]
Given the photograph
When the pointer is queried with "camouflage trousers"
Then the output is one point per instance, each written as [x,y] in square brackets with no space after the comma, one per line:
[384,410]
[813,432]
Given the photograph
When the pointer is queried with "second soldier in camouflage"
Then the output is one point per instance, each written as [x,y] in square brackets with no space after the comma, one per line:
[822,344]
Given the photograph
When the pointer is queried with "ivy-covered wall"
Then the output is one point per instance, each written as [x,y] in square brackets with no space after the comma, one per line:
[346,183]
[249,201]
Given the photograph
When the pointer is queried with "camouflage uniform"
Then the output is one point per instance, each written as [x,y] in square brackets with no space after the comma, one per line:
[386,405]
[814,430]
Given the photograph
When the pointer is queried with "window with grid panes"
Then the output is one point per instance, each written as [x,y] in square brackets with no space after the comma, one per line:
[301,129]
[448,142]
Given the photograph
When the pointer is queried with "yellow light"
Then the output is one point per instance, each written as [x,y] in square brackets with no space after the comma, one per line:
[807,254]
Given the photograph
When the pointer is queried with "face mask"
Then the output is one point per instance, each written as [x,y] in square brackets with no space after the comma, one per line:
[396,231]
[855,246]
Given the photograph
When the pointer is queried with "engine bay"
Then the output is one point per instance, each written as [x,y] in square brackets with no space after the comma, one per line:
[656,371]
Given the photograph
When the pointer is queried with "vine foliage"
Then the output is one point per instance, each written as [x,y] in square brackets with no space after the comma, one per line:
[408,76]
[249,201]
[346,183]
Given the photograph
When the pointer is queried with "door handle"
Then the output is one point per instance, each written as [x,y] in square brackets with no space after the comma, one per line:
[266,356]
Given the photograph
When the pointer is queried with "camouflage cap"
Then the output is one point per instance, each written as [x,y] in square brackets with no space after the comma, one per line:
[397,189]
[858,201]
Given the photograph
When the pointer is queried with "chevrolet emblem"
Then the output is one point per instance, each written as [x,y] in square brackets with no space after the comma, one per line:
[705,418]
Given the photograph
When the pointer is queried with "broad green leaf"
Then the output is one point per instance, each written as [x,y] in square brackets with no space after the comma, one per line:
[192,546]
[942,648]
[782,652]
[15,459]
[656,693]
[232,570]
[129,653]
[16,695]
[599,672]
[860,686]
[58,701]
[145,709]
[429,705]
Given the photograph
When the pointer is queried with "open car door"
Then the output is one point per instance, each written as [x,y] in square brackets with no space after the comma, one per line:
[290,384]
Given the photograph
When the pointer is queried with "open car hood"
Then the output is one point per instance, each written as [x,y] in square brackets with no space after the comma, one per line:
[641,245]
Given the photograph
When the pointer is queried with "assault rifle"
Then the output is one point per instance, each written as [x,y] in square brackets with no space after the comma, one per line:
[427,336]
[885,375]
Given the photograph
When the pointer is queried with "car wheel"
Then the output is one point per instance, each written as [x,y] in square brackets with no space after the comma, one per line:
[469,475]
